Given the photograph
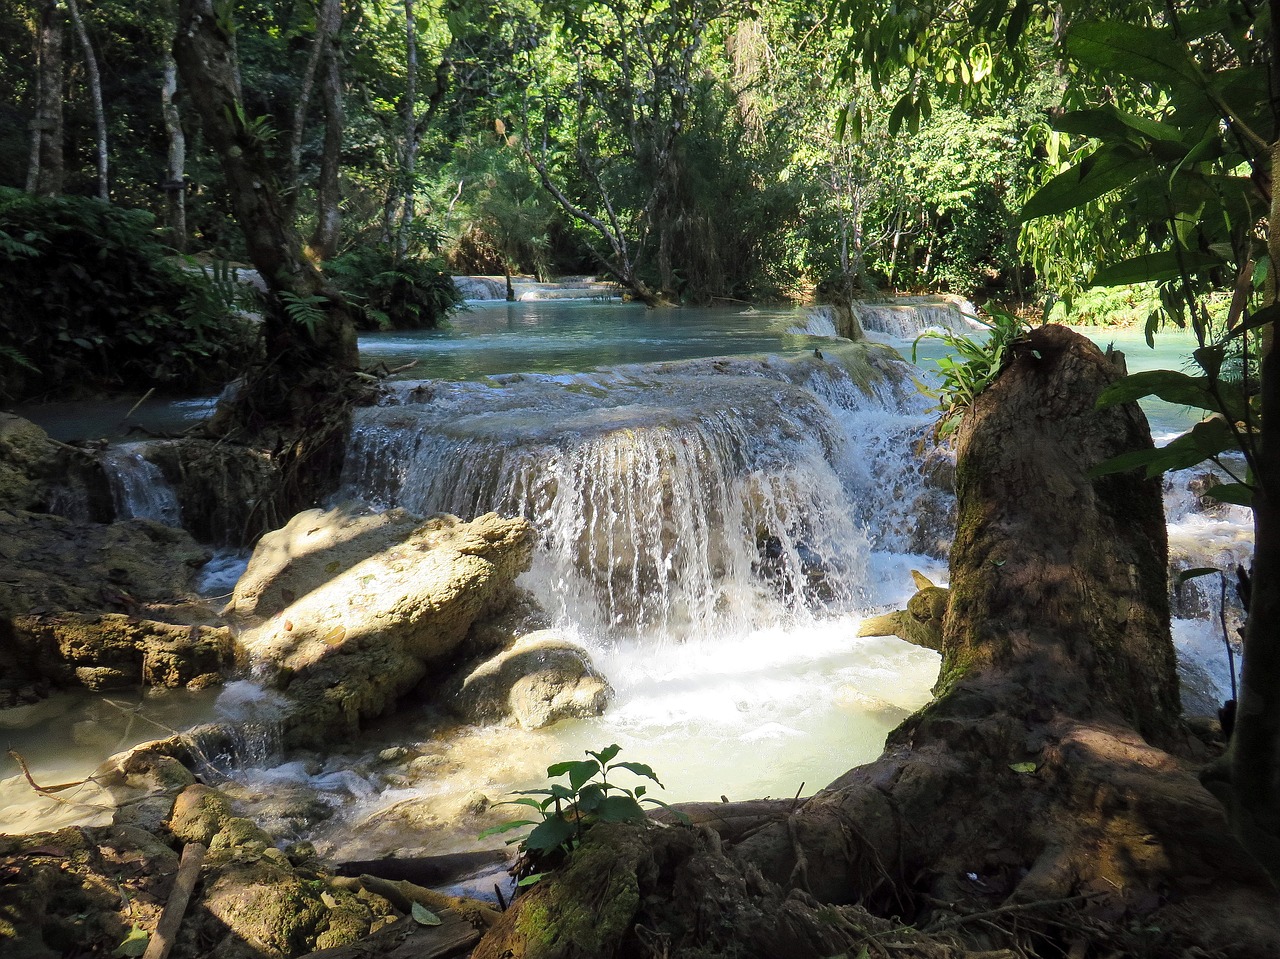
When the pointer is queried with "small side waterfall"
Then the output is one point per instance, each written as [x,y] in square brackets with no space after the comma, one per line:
[138,488]
[907,317]
[695,497]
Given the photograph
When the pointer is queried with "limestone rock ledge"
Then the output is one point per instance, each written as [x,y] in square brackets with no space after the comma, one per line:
[351,612]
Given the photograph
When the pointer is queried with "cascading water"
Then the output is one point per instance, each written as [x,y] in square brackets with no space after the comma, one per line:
[682,499]
[703,532]
[138,488]
[907,317]
[712,529]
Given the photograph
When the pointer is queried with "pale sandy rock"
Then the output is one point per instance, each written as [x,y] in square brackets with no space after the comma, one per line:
[371,612]
[540,680]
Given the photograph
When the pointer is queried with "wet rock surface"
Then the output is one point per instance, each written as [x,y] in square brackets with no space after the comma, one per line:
[101,606]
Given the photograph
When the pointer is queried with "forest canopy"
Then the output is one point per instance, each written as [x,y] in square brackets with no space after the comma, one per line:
[694,149]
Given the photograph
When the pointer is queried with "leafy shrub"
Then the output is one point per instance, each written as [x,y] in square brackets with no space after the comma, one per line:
[565,812]
[972,367]
[90,299]
[394,293]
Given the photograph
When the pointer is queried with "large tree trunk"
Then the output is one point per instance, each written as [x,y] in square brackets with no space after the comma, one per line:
[95,96]
[1030,806]
[206,62]
[175,168]
[46,167]
[304,388]
[324,239]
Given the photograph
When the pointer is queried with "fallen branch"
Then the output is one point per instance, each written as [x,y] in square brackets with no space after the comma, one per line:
[171,919]
[1005,910]
[45,790]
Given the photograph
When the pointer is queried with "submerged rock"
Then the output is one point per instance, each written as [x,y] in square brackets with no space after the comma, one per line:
[360,608]
[540,680]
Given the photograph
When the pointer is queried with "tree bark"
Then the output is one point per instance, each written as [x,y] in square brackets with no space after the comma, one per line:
[46,166]
[95,96]
[176,165]
[409,154]
[304,390]
[207,65]
[324,239]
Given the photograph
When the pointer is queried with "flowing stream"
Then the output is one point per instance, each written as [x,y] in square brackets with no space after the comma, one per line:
[719,496]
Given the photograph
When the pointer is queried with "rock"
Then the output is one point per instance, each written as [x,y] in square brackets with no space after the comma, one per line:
[920,623]
[28,460]
[143,783]
[199,813]
[310,550]
[93,605]
[81,892]
[540,680]
[227,492]
[372,604]
[112,650]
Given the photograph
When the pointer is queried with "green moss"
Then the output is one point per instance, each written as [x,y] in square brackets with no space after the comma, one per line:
[535,926]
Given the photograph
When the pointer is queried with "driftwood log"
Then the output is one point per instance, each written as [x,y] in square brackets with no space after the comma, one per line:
[1045,803]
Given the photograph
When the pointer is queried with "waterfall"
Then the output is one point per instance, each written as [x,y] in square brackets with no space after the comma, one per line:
[694,497]
[248,733]
[138,488]
[907,317]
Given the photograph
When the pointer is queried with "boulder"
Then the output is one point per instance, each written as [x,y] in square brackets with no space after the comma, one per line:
[116,650]
[370,604]
[540,680]
[42,475]
[227,492]
[94,605]
[28,460]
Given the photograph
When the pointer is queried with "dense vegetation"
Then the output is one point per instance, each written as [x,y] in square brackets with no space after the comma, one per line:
[687,149]
[89,299]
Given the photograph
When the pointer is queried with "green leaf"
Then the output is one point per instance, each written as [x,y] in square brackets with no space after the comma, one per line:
[1169,385]
[1237,494]
[606,754]
[1258,318]
[579,772]
[1146,54]
[640,769]
[1108,168]
[135,944]
[424,916]
[1023,767]
[590,797]
[1196,573]
[531,879]
[550,834]
[1205,441]
[505,827]
[620,809]
[1108,122]
[1153,267]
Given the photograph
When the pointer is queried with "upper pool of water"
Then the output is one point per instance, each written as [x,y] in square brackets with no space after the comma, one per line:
[571,337]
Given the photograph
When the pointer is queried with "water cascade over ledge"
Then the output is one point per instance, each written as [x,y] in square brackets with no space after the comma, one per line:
[690,498]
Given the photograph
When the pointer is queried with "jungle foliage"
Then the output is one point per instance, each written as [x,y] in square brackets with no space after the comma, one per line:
[90,299]
[688,149]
